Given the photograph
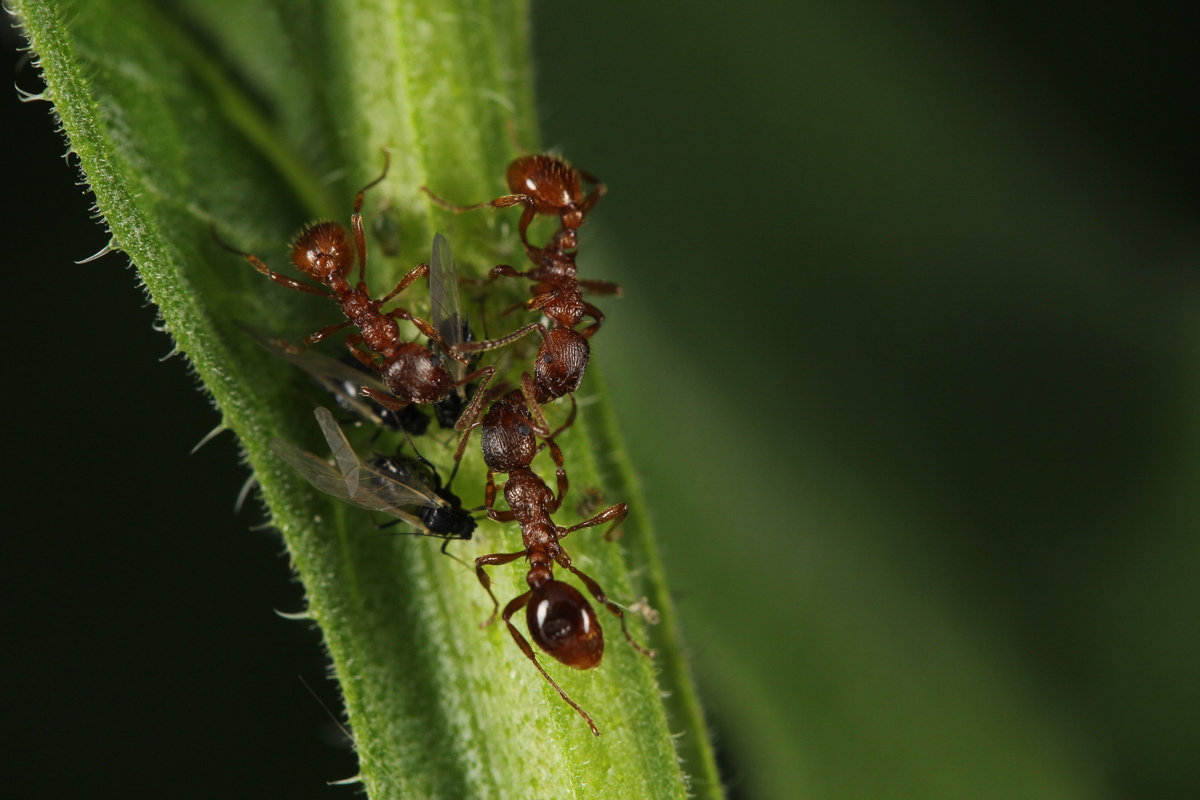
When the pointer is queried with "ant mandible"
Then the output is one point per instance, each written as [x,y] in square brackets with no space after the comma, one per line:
[412,373]
[545,185]
[560,620]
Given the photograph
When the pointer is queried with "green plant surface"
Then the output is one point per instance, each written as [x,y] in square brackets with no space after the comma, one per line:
[911,289]
[253,118]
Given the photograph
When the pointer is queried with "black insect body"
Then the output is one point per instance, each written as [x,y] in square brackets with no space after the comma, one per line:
[387,484]
[449,520]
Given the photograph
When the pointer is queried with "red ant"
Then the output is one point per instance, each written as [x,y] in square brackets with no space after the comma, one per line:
[412,373]
[564,352]
[560,620]
[545,185]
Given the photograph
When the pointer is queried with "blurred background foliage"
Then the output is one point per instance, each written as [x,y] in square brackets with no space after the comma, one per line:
[908,358]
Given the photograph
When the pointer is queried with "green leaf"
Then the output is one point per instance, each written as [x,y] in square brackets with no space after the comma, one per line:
[256,117]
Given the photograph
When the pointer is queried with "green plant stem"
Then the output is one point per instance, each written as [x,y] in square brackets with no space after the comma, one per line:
[237,114]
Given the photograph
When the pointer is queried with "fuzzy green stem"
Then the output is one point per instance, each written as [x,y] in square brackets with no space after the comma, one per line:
[254,117]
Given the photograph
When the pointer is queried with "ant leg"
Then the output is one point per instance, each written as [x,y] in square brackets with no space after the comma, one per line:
[500,202]
[385,399]
[616,514]
[515,605]
[493,560]
[505,271]
[601,287]
[475,406]
[526,217]
[560,474]
[354,343]
[257,263]
[492,344]
[462,442]
[598,190]
[535,411]
[429,331]
[543,295]
[548,440]
[595,313]
[565,561]
[555,433]
[356,223]
[489,501]
[570,419]
[419,271]
[313,338]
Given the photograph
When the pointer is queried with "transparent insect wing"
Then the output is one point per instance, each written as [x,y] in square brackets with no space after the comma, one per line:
[365,485]
[316,471]
[373,490]
[331,481]
[446,310]
[335,377]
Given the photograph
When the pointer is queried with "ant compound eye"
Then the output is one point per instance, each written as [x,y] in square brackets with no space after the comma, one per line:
[563,624]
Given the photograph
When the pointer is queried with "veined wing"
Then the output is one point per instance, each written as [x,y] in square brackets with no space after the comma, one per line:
[351,479]
[445,308]
[339,379]
[366,485]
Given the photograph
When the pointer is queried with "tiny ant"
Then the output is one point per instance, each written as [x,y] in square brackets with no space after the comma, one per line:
[412,373]
[387,484]
[547,186]
[560,620]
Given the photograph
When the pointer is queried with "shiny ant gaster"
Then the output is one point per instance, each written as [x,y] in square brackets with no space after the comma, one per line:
[560,620]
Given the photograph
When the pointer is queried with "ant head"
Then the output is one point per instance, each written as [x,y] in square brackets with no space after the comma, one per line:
[563,624]
[550,181]
[323,251]
[561,362]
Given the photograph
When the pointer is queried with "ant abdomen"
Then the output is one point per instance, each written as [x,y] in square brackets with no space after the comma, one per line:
[415,374]
[560,363]
[322,249]
[507,437]
[563,624]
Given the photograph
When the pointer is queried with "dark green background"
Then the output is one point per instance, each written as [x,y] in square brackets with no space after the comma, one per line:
[908,358]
